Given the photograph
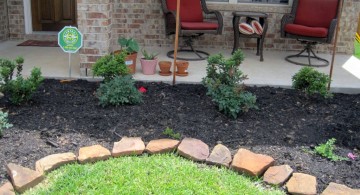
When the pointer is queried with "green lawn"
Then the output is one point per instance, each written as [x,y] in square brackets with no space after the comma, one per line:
[155,174]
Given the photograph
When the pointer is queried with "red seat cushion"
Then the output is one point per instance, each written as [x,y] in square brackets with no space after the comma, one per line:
[316,13]
[190,10]
[199,26]
[306,31]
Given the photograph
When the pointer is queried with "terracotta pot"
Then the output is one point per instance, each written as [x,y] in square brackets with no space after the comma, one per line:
[130,61]
[182,67]
[148,66]
[165,66]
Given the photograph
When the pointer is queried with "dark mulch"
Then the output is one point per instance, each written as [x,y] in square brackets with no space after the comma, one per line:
[64,117]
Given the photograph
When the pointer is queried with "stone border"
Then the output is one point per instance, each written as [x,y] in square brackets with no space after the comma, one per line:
[244,161]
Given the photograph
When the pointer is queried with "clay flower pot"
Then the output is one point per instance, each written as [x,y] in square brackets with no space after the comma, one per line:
[130,61]
[165,68]
[182,67]
[148,66]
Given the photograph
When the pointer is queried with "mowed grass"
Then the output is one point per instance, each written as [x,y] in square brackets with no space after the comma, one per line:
[357,49]
[148,174]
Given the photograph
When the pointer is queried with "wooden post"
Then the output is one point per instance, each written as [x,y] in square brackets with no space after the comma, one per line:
[335,42]
[176,37]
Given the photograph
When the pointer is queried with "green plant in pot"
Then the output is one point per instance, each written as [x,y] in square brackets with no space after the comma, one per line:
[148,62]
[131,47]
[110,66]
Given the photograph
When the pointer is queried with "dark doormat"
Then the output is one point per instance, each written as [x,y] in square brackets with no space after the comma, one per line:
[38,43]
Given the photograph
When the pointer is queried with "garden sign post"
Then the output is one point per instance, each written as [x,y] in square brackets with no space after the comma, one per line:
[70,40]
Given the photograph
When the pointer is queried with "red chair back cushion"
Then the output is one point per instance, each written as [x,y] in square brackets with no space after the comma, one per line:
[316,13]
[190,10]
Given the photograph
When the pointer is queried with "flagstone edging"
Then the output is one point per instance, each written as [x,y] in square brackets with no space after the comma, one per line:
[244,161]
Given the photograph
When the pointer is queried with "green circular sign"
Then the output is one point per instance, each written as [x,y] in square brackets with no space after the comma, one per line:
[70,39]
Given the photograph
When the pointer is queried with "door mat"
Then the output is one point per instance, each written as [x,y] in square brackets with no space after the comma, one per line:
[38,43]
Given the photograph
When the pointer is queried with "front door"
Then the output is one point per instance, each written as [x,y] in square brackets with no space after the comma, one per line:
[53,15]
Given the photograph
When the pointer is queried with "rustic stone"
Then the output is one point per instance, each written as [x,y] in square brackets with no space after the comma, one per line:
[23,178]
[161,146]
[339,189]
[251,163]
[193,149]
[277,175]
[220,155]
[301,183]
[128,146]
[7,189]
[93,153]
[54,161]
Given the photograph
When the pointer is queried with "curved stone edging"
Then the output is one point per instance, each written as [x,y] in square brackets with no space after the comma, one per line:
[244,161]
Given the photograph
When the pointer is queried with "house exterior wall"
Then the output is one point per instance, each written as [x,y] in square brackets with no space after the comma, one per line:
[3,21]
[16,19]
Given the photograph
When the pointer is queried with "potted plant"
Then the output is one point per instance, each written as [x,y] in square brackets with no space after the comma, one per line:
[131,47]
[181,67]
[148,62]
[165,68]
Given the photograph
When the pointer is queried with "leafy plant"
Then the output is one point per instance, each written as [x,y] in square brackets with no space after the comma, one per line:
[129,45]
[311,82]
[7,68]
[327,150]
[149,56]
[4,122]
[119,91]
[170,132]
[21,90]
[223,82]
[19,61]
[110,66]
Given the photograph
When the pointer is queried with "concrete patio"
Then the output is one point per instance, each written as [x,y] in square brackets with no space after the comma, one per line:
[274,71]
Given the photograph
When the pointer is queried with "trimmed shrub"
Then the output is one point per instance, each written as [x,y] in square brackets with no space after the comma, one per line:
[120,90]
[311,82]
[110,66]
[224,84]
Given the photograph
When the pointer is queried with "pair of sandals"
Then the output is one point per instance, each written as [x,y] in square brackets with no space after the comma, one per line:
[250,27]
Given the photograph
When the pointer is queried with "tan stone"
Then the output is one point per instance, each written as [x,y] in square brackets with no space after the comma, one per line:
[93,153]
[220,155]
[303,184]
[339,189]
[7,189]
[23,178]
[161,146]
[277,175]
[54,161]
[193,149]
[251,163]
[128,146]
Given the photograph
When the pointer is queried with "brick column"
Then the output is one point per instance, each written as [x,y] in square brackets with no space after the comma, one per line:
[16,19]
[3,21]
[94,21]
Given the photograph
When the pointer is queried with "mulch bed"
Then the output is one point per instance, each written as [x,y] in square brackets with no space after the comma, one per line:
[66,116]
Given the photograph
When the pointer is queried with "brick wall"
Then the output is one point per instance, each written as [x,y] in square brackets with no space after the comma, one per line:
[16,19]
[3,21]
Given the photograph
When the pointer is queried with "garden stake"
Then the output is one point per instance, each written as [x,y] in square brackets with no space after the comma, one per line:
[335,42]
[176,37]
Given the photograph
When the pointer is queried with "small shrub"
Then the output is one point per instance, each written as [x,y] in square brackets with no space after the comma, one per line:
[7,68]
[21,90]
[110,66]
[4,122]
[19,61]
[224,84]
[311,82]
[119,91]
[170,132]
[327,150]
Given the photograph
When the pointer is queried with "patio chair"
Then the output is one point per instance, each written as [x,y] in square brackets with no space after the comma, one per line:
[310,22]
[195,20]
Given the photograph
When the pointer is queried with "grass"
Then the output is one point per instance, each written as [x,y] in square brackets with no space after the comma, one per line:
[155,174]
[357,49]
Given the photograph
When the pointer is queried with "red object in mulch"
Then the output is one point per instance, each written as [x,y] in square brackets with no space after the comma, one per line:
[142,90]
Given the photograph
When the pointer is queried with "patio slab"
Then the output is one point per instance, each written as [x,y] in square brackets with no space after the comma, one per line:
[273,71]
